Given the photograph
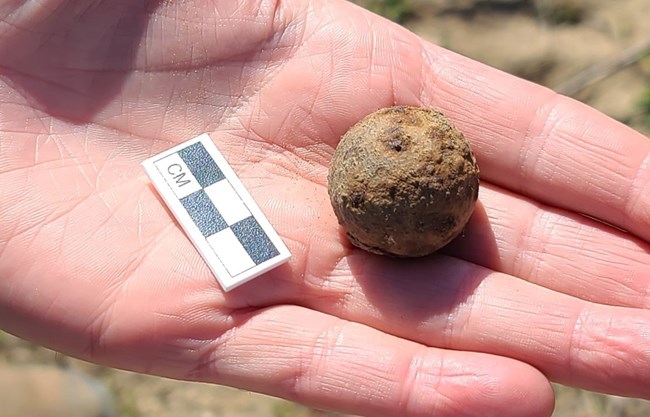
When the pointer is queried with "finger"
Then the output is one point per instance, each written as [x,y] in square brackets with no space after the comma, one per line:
[450,303]
[540,144]
[325,362]
[559,250]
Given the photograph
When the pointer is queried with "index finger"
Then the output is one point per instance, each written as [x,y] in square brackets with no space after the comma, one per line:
[537,143]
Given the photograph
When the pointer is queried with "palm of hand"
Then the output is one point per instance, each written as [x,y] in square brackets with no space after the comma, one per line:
[87,248]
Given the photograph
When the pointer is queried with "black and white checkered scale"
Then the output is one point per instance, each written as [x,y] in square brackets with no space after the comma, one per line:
[221,215]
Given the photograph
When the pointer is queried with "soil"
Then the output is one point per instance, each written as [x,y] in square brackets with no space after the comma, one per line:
[403,182]
[551,42]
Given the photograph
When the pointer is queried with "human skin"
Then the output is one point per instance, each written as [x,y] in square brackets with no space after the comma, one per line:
[544,285]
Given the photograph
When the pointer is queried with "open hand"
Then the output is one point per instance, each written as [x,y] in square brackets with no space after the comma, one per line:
[551,279]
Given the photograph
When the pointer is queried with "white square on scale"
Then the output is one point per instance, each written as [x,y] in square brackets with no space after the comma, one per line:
[231,253]
[228,202]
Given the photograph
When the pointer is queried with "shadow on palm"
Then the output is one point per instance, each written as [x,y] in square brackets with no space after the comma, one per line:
[407,292]
[396,295]
[79,57]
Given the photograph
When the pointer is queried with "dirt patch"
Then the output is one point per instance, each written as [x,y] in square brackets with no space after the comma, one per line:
[551,42]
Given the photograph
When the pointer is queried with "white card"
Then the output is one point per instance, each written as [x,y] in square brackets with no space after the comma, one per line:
[216,211]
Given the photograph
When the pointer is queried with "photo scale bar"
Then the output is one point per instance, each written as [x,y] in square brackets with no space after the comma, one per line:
[216,211]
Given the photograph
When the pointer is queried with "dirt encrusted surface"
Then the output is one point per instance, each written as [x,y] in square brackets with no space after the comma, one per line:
[403,182]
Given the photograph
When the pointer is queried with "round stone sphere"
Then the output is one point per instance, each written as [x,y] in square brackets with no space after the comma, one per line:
[403,182]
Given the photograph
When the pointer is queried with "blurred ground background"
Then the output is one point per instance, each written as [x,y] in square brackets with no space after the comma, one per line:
[593,50]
